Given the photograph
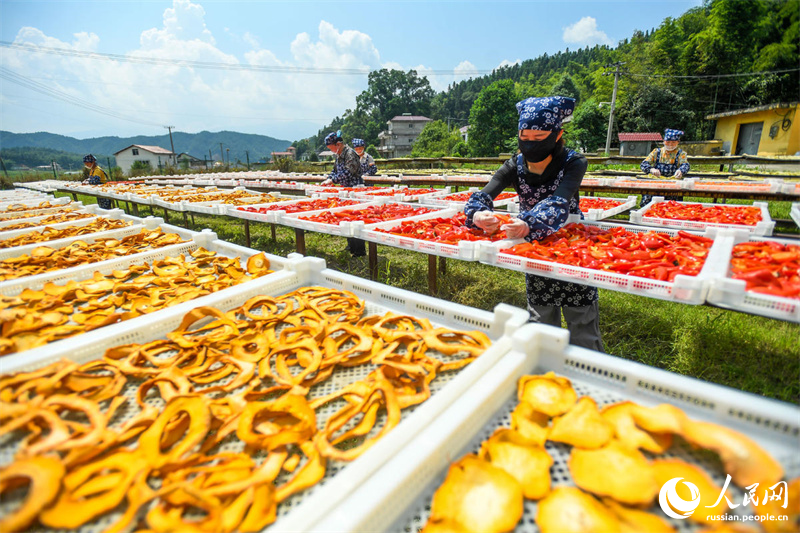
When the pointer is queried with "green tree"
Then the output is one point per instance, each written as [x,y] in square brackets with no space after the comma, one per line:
[460,149]
[654,108]
[435,140]
[588,128]
[565,86]
[371,150]
[394,92]
[493,118]
[140,168]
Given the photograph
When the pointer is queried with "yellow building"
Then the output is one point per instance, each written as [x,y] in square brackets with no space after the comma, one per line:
[765,130]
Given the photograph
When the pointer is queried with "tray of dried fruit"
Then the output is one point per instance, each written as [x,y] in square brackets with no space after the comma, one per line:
[61,304]
[571,440]
[263,408]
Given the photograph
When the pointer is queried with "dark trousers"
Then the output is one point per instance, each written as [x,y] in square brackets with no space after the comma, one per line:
[583,323]
[357,247]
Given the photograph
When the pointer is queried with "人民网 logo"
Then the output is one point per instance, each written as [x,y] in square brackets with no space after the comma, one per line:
[668,499]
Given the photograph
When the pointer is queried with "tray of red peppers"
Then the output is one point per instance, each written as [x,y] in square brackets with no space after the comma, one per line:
[349,221]
[596,208]
[763,279]
[267,213]
[442,233]
[504,198]
[661,264]
[755,218]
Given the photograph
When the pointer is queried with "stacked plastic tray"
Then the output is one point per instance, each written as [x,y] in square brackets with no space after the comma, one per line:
[764,227]
[685,289]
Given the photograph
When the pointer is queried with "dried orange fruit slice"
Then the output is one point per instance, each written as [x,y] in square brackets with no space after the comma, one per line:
[529,463]
[582,426]
[570,510]
[548,394]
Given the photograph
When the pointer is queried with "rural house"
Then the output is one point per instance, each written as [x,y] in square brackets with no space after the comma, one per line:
[403,130]
[155,156]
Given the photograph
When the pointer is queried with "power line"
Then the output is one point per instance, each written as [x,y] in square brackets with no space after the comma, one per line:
[217,65]
[66,97]
[713,76]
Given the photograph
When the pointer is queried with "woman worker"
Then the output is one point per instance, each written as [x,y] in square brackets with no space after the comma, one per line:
[347,167]
[346,172]
[368,166]
[669,162]
[547,177]
[97,176]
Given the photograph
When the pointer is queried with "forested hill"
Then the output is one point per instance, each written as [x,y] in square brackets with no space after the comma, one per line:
[196,144]
[673,75]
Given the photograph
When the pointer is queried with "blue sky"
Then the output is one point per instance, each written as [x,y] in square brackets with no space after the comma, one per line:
[452,38]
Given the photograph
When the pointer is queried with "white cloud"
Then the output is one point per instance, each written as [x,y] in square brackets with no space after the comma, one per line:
[585,32]
[507,63]
[280,104]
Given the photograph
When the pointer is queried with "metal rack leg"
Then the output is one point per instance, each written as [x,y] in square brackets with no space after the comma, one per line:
[300,240]
[274,234]
[432,274]
[373,261]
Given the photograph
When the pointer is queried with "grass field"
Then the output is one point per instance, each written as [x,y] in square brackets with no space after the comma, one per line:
[746,352]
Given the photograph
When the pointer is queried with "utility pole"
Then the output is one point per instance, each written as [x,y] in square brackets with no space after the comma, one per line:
[221,154]
[54,170]
[247,154]
[108,162]
[2,164]
[613,101]
[228,151]
[172,145]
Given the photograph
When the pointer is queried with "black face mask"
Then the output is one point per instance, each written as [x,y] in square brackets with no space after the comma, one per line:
[537,151]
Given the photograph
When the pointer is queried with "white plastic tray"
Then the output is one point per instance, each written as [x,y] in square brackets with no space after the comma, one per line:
[312,504]
[465,250]
[276,214]
[764,227]
[646,183]
[9,219]
[458,204]
[204,238]
[592,181]
[150,223]
[600,214]
[791,187]
[686,289]
[398,496]
[32,202]
[344,229]
[731,293]
[114,214]
[795,213]
[762,186]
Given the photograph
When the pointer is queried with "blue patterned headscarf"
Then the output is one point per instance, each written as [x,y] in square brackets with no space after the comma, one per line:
[333,137]
[546,113]
[358,142]
[672,135]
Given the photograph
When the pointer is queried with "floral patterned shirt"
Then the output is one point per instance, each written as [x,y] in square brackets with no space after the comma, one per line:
[347,168]
[666,162]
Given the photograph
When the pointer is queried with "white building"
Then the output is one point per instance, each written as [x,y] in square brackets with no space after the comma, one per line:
[398,139]
[155,156]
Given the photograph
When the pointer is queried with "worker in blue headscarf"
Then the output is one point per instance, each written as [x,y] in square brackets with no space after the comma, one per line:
[368,166]
[669,162]
[97,176]
[547,177]
[347,167]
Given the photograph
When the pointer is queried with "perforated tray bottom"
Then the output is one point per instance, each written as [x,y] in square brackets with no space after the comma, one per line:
[340,378]
[417,515]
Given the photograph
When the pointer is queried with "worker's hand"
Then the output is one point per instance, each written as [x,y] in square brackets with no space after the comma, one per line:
[516,229]
[655,172]
[486,221]
[678,175]
[327,182]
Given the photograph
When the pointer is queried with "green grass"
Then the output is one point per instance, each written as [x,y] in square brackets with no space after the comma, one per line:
[746,352]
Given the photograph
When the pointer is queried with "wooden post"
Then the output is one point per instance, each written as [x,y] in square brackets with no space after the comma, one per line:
[274,234]
[192,215]
[166,215]
[432,275]
[300,240]
[247,233]
[75,196]
[443,265]
[135,208]
[373,261]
